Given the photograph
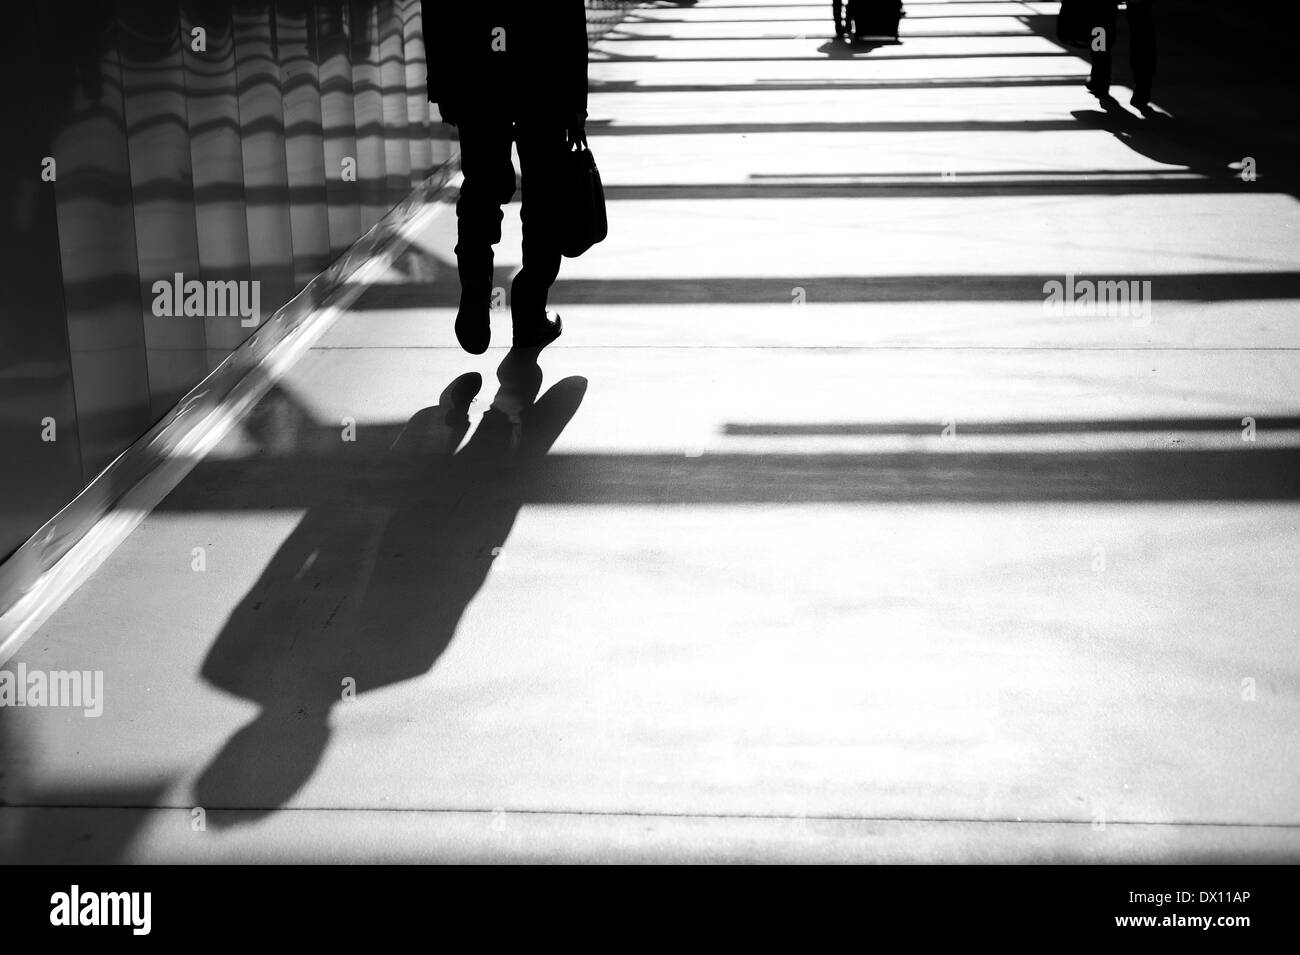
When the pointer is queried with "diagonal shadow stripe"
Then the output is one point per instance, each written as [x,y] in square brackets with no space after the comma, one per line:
[1167,287]
[865,126]
[1259,474]
[1227,426]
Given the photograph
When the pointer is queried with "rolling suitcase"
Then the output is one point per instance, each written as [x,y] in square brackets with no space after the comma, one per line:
[868,21]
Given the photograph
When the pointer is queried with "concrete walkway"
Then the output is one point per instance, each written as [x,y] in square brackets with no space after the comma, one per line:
[825,539]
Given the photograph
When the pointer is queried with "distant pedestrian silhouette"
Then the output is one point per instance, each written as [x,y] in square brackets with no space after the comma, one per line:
[867,21]
[1142,49]
[509,70]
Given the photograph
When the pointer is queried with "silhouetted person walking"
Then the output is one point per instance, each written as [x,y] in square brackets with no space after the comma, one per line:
[1142,49]
[509,70]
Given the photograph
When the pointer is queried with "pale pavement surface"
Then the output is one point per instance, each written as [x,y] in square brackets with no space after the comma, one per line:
[754,603]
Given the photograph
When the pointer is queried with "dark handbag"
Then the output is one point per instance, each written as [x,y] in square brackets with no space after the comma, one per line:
[1075,22]
[583,215]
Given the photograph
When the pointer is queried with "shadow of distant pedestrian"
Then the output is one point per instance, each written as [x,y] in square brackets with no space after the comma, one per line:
[838,48]
[368,593]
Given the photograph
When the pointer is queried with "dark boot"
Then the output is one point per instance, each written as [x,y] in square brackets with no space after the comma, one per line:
[1141,92]
[534,326]
[474,318]
[540,333]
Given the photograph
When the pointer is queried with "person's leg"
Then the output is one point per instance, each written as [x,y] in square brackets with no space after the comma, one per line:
[1103,14]
[1142,52]
[542,150]
[489,184]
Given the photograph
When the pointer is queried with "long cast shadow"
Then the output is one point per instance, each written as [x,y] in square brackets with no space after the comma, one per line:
[1250,113]
[1174,468]
[767,290]
[368,592]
